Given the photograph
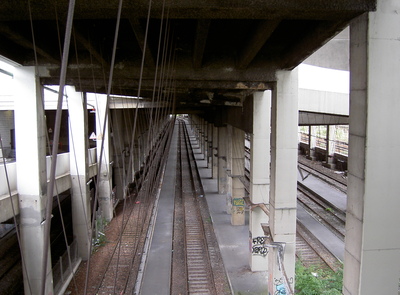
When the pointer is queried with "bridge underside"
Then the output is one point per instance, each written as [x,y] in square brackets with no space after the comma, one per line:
[204,54]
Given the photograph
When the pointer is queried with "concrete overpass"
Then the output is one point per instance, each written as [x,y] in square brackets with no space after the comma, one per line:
[232,63]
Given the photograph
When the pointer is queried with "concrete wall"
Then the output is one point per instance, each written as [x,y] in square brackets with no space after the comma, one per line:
[334,54]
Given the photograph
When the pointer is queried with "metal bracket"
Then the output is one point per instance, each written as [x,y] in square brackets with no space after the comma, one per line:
[280,246]
[228,172]
[251,205]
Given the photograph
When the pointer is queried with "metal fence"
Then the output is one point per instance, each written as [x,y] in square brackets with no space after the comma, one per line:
[63,270]
[341,147]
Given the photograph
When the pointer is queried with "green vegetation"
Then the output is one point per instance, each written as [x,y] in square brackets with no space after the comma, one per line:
[313,281]
[99,238]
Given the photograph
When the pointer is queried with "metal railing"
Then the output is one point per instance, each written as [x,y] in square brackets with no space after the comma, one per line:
[63,271]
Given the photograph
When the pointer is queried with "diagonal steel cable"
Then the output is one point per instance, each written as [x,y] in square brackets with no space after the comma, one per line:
[56,138]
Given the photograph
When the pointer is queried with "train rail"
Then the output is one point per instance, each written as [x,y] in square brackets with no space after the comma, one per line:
[337,180]
[119,259]
[308,248]
[311,252]
[11,266]
[322,210]
[197,266]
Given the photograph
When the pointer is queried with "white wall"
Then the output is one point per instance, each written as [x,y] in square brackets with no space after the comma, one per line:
[323,90]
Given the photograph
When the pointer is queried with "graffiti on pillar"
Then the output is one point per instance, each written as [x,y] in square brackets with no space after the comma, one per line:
[238,202]
[238,205]
[258,246]
[280,288]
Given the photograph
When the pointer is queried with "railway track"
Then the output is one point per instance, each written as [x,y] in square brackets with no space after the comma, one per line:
[322,210]
[311,252]
[197,266]
[11,266]
[308,248]
[119,259]
[336,180]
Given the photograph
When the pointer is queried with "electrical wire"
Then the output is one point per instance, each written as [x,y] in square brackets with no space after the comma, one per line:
[50,186]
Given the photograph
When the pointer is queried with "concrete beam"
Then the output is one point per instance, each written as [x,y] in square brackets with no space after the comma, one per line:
[311,118]
[203,25]
[200,9]
[261,34]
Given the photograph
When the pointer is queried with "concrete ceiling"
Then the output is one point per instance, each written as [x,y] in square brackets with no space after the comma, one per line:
[213,54]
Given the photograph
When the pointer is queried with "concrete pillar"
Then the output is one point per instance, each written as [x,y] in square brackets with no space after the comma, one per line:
[209,145]
[79,170]
[197,128]
[222,148]
[120,147]
[332,139]
[259,174]
[200,133]
[136,157]
[309,142]
[203,137]
[313,142]
[228,168]
[372,248]
[205,140]
[30,138]
[283,192]
[215,153]
[105,169]
[145,140]
[238,191]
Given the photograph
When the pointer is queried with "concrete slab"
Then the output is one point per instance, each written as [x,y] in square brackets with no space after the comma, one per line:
[233,240]
[335,196]
[327,238]
[157,273]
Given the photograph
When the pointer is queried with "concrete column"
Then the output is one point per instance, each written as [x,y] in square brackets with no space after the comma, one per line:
[79,170]
[372,249]
[215,153]
[140,147]
[145,140]
[259,174]
[222,147]
[228,169]
[197,128]
[313,142]
[283,192]
[30,138]
[332,138]
[238,192]
[210,145]
[120,147]
[105,169]
[201,136]
[136,157]
[309,142]
[204,138]
[145,145]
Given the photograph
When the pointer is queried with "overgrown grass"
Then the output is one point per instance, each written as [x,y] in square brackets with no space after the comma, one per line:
[313,281]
